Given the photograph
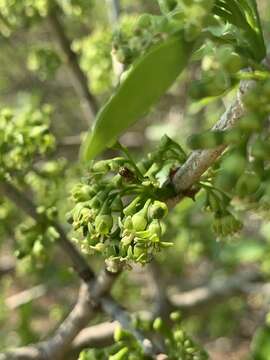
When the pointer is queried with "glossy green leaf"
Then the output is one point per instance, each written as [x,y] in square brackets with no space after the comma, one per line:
[244,15]
[145,83]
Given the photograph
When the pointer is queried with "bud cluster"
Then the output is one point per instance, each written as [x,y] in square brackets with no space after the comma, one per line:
[44,61]
[95,59]
[216,201]
[177,344]
[36,239]
[24,135]
[17,13]
[220,67]
[133,38]
[243,170]
[189,15]
[119,208]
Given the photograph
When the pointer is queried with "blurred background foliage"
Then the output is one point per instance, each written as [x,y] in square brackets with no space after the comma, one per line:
[36,84]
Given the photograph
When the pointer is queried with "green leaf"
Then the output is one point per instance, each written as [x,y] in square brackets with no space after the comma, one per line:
[244,15]
[146,81]
[261,344]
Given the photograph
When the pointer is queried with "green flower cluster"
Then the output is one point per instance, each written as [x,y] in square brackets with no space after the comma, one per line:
[220,66]
[95,59]
[120,206]
[44,61]
[23,136]
[177,344]
[134,38]
[77,8]
[216,201]
[136,35]
[189,15]
[17,13]
[243,171]
[35,239]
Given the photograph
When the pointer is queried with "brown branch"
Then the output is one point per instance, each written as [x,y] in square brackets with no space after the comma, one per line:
[97,336]
[123,317]
[21,201]
[26,296]
[79,80]
[59,343]
[162,306]
[7,266]
[200,160]
[98,288]
[216,291]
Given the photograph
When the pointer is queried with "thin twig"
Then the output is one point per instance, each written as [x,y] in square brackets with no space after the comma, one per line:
[20,200]
[26,296]
[215,291]
[123,317]
[80,82]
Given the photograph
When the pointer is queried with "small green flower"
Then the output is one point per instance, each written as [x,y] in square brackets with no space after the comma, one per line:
[157,210]
[103,224]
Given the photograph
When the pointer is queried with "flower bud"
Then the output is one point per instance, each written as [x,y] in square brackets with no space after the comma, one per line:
[139,221]
[158,324]
[85,215]
[103,224]
[120,334]
[157,210]
[138,251]
[155,228]
[101,166]
[231,61]
[187,343]
[99,247]
[127,224]
[190,350]
[176,316]
[166,244]
[127,240]
[179,335]
[82,192]
[121,354]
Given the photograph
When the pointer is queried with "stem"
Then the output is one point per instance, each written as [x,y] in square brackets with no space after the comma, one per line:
[80,82]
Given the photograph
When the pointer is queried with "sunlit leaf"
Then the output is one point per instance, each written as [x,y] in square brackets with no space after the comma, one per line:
[147,80]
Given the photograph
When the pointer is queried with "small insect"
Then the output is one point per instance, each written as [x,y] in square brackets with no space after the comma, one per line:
[126,173]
